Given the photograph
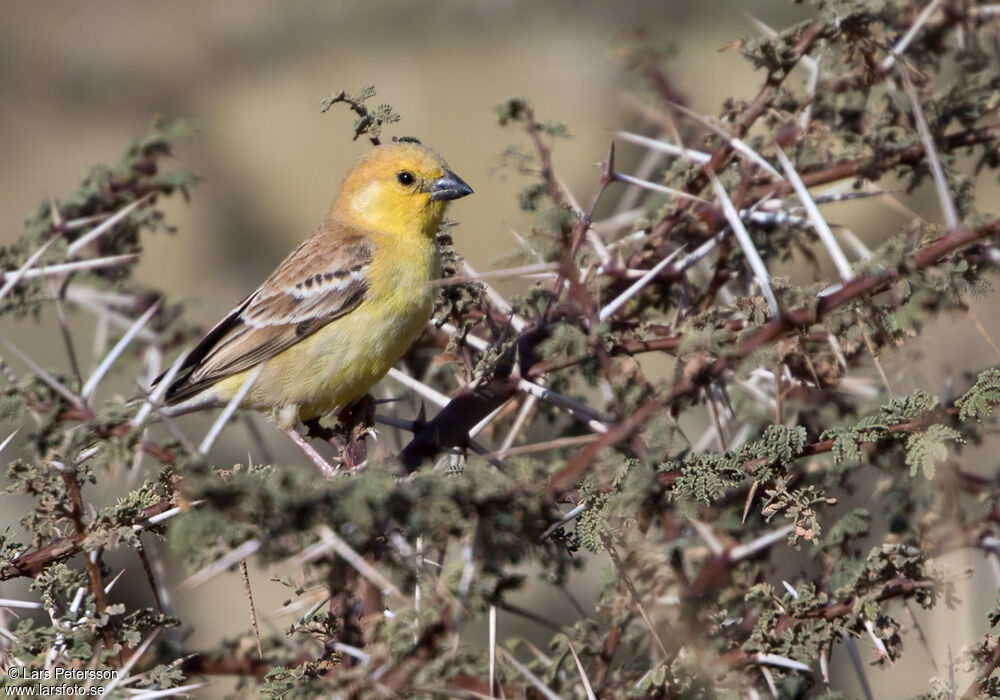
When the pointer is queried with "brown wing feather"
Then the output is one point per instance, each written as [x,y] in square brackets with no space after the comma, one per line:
[320,281]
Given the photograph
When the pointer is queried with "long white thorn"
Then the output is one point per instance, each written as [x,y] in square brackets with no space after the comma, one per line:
[655,187]
[76,266]
[348,554]
[522,416]
[481,425]
[706,534]
[947,204]
[493,648]
[910,34]
[770,680]
[583,676]
[89,300]
[17,275]
[159,391]
[570,515]
[806,116]
[45,376]
[429,393]
[750,548]
[117,350]
[698,157]
[123,672]
[734,143]
[818,222]
[3,445]
[746,243]
[105,226]
[609,310]
[617,222]
[113,582]
[20,604]
[165,515]
[325,468]
[594,420]
[229,410]
[520,271]
[523,670]
[775,660]
[219,565]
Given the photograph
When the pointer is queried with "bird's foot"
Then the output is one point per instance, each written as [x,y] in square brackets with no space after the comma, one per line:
[358,421]
[317,431]
[348,437]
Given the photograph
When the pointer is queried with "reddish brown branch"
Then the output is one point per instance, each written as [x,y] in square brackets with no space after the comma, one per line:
[247,665]
[61,548]
[92,562]
[985,670]
[910,155]
[753,112]
[771,331]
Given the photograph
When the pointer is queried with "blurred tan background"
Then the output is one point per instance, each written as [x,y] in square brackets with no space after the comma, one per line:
[77,80]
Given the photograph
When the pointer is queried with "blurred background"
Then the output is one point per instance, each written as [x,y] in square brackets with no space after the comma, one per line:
[78,80]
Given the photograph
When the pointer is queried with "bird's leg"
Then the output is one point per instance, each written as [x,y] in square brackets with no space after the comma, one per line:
[358,420]
[348,437]
[315,457]
[317,431]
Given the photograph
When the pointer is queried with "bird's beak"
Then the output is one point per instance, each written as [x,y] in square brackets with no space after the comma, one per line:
[449,186]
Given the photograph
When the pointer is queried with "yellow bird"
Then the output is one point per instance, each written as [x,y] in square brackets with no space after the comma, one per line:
[343,307]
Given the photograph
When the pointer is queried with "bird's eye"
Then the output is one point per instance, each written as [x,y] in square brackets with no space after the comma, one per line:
[406,178]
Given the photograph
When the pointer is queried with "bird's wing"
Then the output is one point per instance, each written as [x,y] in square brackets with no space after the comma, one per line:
[320,281]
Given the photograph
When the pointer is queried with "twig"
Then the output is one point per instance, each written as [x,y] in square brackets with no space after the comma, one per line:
[244,572]
[636,600]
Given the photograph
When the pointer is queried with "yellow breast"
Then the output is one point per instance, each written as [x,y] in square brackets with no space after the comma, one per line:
[340,363]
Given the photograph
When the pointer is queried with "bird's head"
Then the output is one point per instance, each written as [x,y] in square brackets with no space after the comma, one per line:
[399,187]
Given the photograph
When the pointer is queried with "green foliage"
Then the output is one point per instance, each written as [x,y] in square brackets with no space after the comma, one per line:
[979,400]
[924,450]
[369,121]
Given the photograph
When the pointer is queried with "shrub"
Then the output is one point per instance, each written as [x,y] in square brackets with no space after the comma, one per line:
[734,563]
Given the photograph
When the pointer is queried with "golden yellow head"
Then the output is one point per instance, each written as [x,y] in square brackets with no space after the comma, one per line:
[398,188]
